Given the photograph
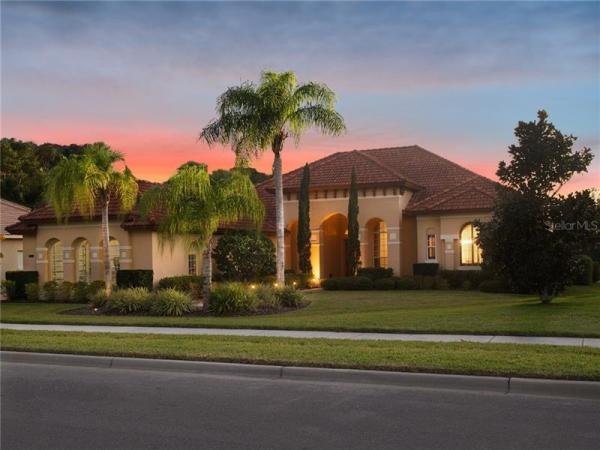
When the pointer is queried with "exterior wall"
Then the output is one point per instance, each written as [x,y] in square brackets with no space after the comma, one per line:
[379,203]
[171,259]
[10,248]
[447,229]
[408,238]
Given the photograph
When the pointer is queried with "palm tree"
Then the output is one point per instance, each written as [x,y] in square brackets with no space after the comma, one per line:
[253,118]
[193,206]
[89,180]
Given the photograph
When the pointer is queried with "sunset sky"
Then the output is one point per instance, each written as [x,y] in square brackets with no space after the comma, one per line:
[454,78]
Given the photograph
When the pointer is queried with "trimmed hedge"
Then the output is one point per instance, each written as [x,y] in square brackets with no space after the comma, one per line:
[406,283]
[384,284]
[465,279]
[21,278]
[135,278]
[347,284]
[426,269]
[302,280]
[183,283]
[375,273]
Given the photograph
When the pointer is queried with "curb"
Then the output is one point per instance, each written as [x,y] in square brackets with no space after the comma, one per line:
[589,390]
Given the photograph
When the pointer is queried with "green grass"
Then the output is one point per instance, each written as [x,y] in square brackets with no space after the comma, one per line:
[464,358]
[577,313]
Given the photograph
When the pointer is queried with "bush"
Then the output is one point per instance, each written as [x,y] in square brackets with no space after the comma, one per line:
[244,255]
[457,278]
[97,299]
[302,280]
[596,276]
[440,283]
[375,273]
[64,292]
[583,271]
[49,291]
[80,292]
[94,288]
[184,283]
[289,297]
[330,284]
[129,300]
[135,278]
[426,269]
[354,283]
[265,297]
[385,284]
[9,288]
[171,302]
[406,283]
[425,281]
[32,292]
[495,285]
[231,297]
[21,278]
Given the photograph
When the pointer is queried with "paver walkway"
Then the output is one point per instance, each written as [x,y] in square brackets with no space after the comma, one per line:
[575,342]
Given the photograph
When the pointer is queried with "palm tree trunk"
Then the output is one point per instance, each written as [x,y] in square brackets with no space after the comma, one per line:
[280,255]
[207,273]
[106,250]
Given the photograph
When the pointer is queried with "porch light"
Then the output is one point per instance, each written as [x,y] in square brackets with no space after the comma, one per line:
[252,286]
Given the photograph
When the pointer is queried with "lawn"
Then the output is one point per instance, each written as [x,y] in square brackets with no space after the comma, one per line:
[465,358]
[577,313]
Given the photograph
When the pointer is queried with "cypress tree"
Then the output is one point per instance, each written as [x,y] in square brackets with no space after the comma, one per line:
[303,240]
[353,247]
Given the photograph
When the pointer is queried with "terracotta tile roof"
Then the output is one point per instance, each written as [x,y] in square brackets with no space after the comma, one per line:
[9,214]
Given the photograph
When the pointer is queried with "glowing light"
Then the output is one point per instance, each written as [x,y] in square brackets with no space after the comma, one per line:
[252,286]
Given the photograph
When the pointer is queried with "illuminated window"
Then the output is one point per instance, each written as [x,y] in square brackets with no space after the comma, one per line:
[380,245]
[192,266]
[431,246]
[470,253]
[55,261]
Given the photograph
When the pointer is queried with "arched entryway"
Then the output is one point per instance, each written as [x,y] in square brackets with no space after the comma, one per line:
[56,269]
[334,238]
[291,244]
[83,266]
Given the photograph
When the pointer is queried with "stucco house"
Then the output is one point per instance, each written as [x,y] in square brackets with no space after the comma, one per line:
[11,244]
[415,206]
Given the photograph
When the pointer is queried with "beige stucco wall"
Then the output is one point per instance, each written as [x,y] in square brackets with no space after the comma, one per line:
[10,247]
[446,228]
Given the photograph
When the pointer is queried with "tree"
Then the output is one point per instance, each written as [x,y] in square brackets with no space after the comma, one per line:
[255,176]
[87,181]
[304,234]
[192,207]
[244,255]
[253,118]
[353,247]
[520,242]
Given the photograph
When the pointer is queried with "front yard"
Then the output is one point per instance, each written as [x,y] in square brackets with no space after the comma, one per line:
[577,313]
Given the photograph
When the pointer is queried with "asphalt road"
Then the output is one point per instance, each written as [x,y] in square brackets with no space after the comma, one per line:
[45,406]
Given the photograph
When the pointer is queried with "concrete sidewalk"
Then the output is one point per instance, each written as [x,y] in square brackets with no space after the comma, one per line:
[486,339]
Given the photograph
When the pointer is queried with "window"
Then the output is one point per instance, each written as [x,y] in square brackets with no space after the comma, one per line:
[431,246]
[55,261]
[380,245]
[19,259]
[470,253]
[192,267]
[83,262]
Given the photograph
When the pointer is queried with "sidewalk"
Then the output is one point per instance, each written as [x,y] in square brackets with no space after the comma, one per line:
[486,339]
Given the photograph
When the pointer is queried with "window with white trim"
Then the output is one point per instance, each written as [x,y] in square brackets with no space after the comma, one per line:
[192,264]
[431,246]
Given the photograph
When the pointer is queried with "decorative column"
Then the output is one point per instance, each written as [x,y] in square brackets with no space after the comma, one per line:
[96,263]
[41,263]
[448,245]
[68,264]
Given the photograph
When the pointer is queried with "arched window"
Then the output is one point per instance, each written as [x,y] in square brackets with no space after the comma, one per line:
[56,271]
[470,253]
[380,245]
[82,260]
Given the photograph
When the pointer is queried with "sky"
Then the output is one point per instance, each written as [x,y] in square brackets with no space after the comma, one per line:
[452,77]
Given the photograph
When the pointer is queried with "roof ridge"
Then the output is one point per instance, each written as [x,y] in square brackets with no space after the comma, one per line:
[16,205]
[389,169]
[445,191]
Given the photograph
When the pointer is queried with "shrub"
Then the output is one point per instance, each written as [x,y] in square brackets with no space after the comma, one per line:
[302,280]
[183,283]
[596,276]
[21,278]
[97,299]
[457,278]
[289,297]
[354,283]
[49,290]
[32,292]
[330,284]
[231,297]
[171,302]
[94,288]
[583,271]
[129,300]
[135,278]
[64,292]
[425,281]
[265,297]
[242,255]
[80,292]
[375,273]
[440,283]
[406,283]
[9,288]
[385,284]
[426,269]
[495,285]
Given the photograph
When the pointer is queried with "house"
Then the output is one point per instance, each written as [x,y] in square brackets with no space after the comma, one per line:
[11,245]
[414,206]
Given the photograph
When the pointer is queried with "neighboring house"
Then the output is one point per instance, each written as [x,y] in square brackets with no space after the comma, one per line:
[414,206]
[11,245]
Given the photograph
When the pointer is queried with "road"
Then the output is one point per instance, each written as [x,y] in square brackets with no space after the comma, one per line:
[62,407]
